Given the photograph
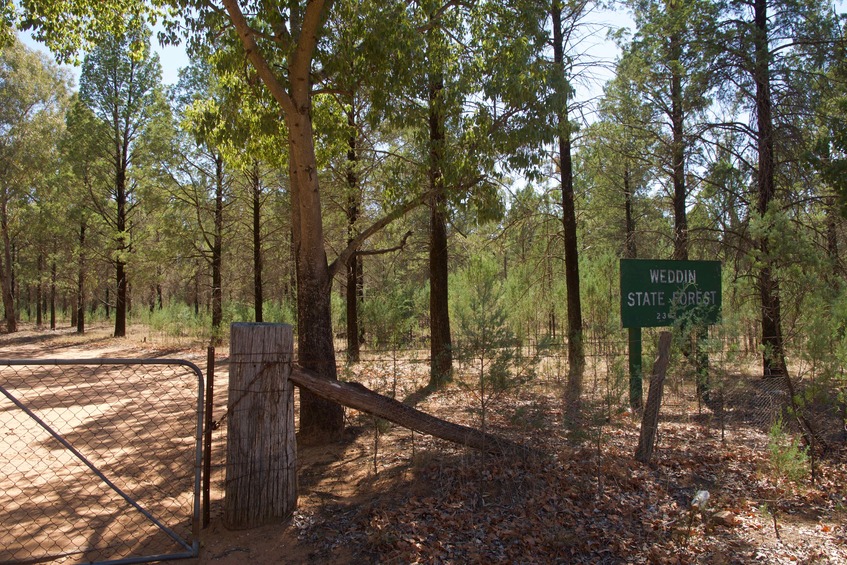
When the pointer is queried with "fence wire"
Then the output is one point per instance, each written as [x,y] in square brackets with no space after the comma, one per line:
[735,395]
[739,401]
[99,460]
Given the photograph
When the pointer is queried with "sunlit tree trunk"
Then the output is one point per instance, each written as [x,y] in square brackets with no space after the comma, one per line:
[321,421]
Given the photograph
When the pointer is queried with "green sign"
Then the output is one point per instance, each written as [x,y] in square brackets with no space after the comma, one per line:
[657,293]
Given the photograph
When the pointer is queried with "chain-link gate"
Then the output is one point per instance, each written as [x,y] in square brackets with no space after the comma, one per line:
[100,460]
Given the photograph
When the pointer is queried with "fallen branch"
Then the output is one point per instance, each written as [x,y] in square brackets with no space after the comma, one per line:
[359,397]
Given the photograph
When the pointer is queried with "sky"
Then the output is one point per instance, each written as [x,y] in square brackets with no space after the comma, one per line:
[173,58]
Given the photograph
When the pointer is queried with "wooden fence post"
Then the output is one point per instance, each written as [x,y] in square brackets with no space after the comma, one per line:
[261,466]
[650,420]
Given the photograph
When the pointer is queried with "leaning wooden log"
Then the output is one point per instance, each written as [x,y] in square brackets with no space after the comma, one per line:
[650,420]
[361,398]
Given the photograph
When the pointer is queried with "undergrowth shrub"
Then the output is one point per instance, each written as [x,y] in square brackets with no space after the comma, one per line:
[788,460]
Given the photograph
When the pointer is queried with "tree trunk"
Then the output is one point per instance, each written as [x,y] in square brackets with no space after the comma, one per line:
[576,351]
[773,356]
[256,200]
[261,466]
[441,354]
[680,219]
[321,421]
[631,251]
[197,292]
[354,265]
[39,288]
[7,269]
[53,275]
[120,300]
[217,249]
[80,281]
[122,248]
[74,311]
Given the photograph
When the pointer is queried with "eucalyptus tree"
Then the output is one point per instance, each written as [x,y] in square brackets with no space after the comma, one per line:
[33,93]
[285,46]
[121,83]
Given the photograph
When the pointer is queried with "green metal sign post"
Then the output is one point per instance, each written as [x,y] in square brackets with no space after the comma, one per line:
[657,293]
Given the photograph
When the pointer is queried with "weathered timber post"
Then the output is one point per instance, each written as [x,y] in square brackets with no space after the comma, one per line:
[650,420]
[261,466]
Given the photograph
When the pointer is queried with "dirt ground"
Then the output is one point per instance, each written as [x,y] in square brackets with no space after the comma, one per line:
[386,495]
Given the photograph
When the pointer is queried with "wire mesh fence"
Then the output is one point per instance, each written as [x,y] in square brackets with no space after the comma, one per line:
[737,404]
[732,393]
[99,460]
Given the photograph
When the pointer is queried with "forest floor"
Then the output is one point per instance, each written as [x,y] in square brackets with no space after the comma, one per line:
[387,495]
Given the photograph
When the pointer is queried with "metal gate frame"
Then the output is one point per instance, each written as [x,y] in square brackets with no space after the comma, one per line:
[192,548]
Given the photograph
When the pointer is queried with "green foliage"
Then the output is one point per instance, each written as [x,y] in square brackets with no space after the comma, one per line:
[178,319]
[175,320]
[69,27]
[388,317]
[372,63]
[788,460]
[486,343]
[274,312]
